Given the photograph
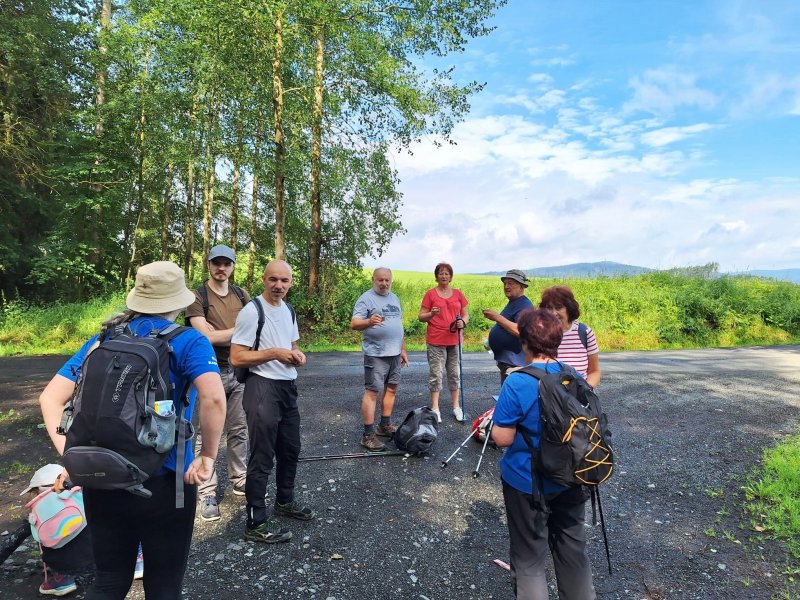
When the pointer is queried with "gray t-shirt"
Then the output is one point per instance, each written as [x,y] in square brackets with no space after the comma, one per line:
[279,331]
[385,339]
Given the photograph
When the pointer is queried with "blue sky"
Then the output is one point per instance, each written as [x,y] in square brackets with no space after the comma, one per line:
[659,134]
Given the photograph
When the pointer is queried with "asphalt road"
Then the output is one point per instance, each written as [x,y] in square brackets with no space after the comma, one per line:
[689,427]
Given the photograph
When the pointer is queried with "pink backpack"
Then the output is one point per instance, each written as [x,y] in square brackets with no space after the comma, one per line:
[57,518]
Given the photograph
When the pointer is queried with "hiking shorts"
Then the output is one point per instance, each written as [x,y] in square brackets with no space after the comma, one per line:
[380,371]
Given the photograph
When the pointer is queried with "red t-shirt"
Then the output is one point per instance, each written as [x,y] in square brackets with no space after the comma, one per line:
[438,333]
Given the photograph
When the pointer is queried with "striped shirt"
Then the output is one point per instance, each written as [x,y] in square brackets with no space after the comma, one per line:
[572,352]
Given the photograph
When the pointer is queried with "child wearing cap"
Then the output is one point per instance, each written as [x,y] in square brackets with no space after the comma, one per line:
[74,559]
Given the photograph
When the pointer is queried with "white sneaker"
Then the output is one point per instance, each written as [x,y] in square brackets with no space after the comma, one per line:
[438,415]
[458,414]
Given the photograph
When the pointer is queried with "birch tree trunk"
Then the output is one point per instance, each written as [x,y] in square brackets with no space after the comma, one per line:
[316,165]
[280,149]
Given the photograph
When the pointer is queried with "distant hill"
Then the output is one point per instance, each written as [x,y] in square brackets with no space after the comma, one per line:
[589,270]
[792,275]
[614,269]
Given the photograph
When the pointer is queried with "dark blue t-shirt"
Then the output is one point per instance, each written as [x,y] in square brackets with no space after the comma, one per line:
[192,356]
[506,347]
[519,403]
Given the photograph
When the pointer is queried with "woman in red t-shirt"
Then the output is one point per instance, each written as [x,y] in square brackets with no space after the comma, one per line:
[444,309]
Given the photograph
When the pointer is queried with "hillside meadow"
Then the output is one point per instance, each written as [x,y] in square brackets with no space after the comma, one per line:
[643,312]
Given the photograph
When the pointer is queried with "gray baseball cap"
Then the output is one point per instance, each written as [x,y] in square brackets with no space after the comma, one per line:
[516,275]
[222,252]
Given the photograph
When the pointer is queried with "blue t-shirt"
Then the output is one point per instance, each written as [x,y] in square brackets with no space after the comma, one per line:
[505,346]
[192,356]
[519,403]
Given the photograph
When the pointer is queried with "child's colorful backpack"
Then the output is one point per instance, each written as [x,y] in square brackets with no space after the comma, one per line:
[57,518]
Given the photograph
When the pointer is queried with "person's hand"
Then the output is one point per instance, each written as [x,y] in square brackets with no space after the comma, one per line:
[299,359]
[460,323]
[285,356]
[376,320]
[435,311]
[403,359]
[199,471]
[60,483]
[490,314]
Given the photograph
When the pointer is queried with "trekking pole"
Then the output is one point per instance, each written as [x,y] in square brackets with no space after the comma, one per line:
[455,328]
[596,492]
[346,456]
[464,443]
[476,472]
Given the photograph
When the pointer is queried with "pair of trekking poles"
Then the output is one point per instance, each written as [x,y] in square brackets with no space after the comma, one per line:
[486,422]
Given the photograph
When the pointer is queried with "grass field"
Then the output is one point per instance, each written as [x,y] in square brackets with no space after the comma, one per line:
[643,312]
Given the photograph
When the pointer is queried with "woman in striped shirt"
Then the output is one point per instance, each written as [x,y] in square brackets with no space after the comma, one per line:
[578,346]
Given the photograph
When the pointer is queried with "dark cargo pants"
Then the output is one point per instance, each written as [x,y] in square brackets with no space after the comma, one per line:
[273,426]
[562,531]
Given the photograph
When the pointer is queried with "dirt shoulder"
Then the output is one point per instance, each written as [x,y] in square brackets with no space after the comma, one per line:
[688,427]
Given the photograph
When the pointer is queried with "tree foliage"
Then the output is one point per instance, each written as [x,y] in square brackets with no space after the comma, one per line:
[153,130]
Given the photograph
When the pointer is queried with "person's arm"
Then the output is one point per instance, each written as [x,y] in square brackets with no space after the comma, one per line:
[359,324]
[242,356]
[503,436]
[403,355]
[505,323]
[298,356]
[217,337]
[52,401]
[593,373]
[464,314]
[211,396]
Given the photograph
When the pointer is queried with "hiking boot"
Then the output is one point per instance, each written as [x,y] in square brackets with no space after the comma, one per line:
[138,570]
[294,510]
[458,414]
[438,415]
[238,488]
[269,532]
[209,510]
[57,584]
[385,430]
[372,443]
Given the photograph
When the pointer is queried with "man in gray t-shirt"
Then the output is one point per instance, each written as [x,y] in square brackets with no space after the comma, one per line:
[377,313]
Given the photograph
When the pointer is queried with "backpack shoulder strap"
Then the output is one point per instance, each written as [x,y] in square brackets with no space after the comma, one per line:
[203,299]
[261,319]
[291,310]
[532,371]
[239,293]
[583,333]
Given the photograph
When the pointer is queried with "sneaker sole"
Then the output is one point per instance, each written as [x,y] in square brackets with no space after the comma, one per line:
[236,492]
[271,539]
[62,592]
[214,518]
[386,435]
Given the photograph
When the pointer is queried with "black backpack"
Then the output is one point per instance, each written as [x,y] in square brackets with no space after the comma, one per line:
[418,431]
[575,446]
[116,439]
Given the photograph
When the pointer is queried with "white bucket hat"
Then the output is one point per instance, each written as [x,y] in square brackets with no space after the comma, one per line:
[160,288]
[44,477]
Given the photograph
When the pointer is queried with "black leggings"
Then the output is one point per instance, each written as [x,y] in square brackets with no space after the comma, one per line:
[119,521]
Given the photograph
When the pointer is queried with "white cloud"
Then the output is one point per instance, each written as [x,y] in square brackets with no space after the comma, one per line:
[670,135]
[662,91]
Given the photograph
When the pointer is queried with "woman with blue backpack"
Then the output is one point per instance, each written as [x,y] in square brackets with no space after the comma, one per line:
[535,527]
[158,507]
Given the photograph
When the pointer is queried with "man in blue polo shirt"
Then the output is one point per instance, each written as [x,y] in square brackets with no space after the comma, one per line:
[504,336]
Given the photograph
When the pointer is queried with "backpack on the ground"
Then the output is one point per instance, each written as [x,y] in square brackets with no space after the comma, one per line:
[575,445]
[57,518]
[241,373]
[418,431]
[480,426]
[122,422]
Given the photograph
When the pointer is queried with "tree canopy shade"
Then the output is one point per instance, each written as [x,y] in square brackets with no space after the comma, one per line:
[149,130]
